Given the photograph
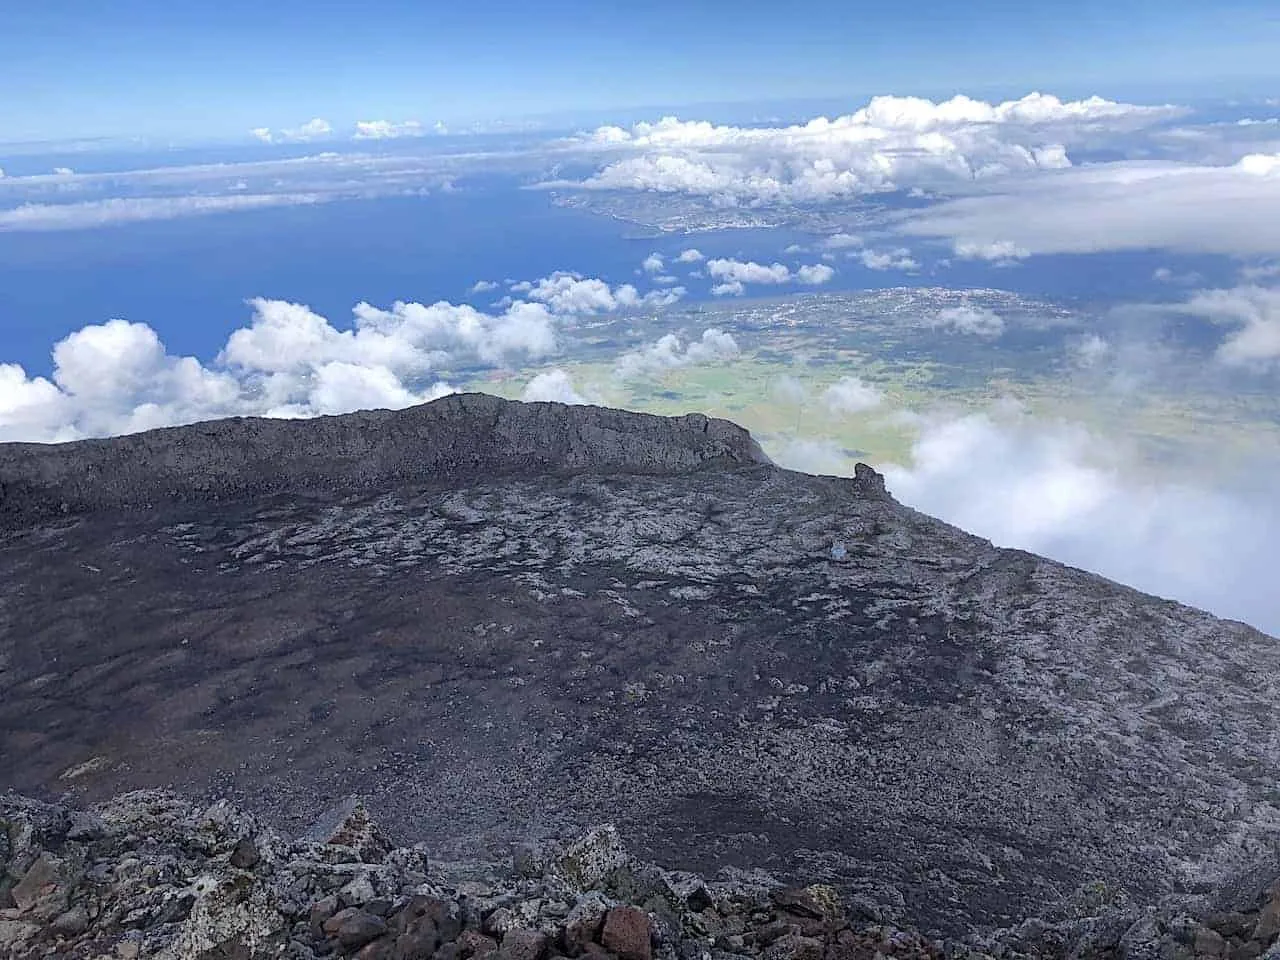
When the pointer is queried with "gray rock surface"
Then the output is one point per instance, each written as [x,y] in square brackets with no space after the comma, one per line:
[458,436]
[160,879]
[575,616]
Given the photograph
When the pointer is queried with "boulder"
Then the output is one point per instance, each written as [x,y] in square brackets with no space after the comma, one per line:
[627,933]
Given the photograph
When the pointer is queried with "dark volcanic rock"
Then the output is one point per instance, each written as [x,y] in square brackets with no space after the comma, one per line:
[503,622]
[464,435]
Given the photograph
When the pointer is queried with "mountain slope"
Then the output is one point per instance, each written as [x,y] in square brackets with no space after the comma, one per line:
[499,621]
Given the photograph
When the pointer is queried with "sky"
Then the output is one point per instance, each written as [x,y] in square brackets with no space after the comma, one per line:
[190,71]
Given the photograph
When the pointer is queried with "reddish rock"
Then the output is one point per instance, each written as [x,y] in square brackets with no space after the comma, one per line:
[39,882]
[627,933]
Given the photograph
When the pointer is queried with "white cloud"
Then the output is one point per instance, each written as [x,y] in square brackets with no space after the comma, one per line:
[571,293]
[730,288]
[1060,491]
[553,386]
[899,259]
[63,172]
[1232,209]
[1090,350]
[842,241]
[790,389]
[997,251]
[893,142]
[482,286]
[814,274]
[852,395]
[669,352]
[1254,314]
[979,321]
[692,255]
[387,130]
[97,213]
[653,263]
[314,129]
[738,271]
[810,455]
[288,361]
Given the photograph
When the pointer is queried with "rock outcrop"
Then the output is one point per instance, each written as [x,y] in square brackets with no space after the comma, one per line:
[579,616]
[458,436]
[149,875]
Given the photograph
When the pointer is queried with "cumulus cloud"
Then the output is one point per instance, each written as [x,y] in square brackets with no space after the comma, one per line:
[978,321]
[851,395]
[899,259]
[288,361]
[63,172]
[738,271]
[553,386]
[669,353]
[653,263]
[842,241]
[692,255]
[482,286]
[571,293]
[387,130]
[815,274]
[891,143]
[314,129]
[1232,209]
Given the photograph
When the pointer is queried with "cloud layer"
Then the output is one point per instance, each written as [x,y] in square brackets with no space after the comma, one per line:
[892,143]
[1140,205]
[289,361]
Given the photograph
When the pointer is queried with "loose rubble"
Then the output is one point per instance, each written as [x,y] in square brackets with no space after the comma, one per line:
[150,874]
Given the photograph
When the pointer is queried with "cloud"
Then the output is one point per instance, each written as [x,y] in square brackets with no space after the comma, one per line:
[653,263]
[1144,205]
[387,130]
[571,293]
[899,259]
[482,286]
[692,255]
[1090,350]
[891,143]
[997,251]
[730,288]
[1060,491]
[1253,313]
[737,271]
[44,217]
[315,129]
[979,321]
[842,241]
[669,353]
[553,386]
[851,395]
[63,172]
[815,274]
[288,361]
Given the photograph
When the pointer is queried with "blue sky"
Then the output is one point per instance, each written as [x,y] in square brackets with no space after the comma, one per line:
[157,68]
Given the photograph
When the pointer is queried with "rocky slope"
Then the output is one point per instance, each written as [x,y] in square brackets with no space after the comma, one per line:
[149,875]
[500,622]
